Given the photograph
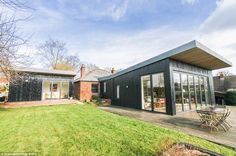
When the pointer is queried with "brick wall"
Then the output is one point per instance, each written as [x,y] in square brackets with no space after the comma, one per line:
[83,90]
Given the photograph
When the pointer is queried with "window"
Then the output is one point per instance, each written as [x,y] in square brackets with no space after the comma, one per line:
[94,88]
[117,91]
[104,87]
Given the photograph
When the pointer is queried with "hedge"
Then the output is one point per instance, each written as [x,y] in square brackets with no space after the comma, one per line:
[230,98]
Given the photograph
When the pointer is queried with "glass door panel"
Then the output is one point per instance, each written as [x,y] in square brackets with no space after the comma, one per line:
[203,91]
[146,92]
[185,91]
[159,99]
[192,92]
[46,90]
[55,89]
[178,94]
[198,92]
[64,90]
[207,90]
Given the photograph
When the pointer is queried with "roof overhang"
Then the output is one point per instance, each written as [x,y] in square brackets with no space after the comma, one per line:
[46,71]
[193,53]
[201,56]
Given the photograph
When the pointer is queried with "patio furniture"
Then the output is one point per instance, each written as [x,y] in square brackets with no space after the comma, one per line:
[213,117]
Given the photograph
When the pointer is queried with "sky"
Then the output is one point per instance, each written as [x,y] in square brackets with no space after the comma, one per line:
[121,33]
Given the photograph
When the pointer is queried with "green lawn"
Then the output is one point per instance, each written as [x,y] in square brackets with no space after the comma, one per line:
[85,130]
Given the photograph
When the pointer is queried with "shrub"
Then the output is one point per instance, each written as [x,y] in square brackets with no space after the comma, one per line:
[95,97]
[230,98]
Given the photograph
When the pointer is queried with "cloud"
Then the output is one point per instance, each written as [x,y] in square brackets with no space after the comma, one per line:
[218,31]
[191,2]
[97,10]
[119,11]
[121,51]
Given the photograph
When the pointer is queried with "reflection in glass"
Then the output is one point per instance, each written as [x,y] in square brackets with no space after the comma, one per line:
[178,95]
[64,90]
[207,90]
[192,92]
[146,92]
[56,90]
[203,90]
[198,92]
[46,90]
[185,91]
[159,100]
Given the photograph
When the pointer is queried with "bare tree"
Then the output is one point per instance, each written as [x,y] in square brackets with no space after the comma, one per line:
[74,61]
[10,41]
[89,67]
[15,4]
[52,52]
[224,72]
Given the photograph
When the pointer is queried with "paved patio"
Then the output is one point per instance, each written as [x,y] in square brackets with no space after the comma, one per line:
[39,103]
[187,122]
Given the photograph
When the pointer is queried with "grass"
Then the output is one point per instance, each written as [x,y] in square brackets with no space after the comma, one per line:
[86,130]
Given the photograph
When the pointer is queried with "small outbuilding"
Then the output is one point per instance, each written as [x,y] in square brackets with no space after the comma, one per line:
[41,84]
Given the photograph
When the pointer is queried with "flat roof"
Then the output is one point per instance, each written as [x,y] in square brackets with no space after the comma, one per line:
[193,53]
[46,71]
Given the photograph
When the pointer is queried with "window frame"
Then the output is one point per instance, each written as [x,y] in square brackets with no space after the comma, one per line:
[92,89]
[118,92]
[104,87]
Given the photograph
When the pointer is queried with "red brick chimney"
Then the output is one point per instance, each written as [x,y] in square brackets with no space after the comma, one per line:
[82,71]
[113,70]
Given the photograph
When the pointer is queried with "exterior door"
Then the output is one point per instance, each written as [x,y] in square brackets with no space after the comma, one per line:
[153,92]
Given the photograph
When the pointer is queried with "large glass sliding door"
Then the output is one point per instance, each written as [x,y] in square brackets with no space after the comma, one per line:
[55,89]
[191,91]
[153,92]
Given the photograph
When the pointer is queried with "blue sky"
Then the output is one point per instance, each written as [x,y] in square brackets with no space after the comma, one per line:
[120,33]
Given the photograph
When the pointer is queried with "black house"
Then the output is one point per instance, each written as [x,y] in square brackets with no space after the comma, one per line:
[41,84]
[175,81]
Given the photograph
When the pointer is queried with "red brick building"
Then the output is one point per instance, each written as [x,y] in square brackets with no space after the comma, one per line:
[88,85]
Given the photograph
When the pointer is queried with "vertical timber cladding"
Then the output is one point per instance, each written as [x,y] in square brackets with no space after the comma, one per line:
[29,87]
[177,66]
[130,85]
[109,89]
